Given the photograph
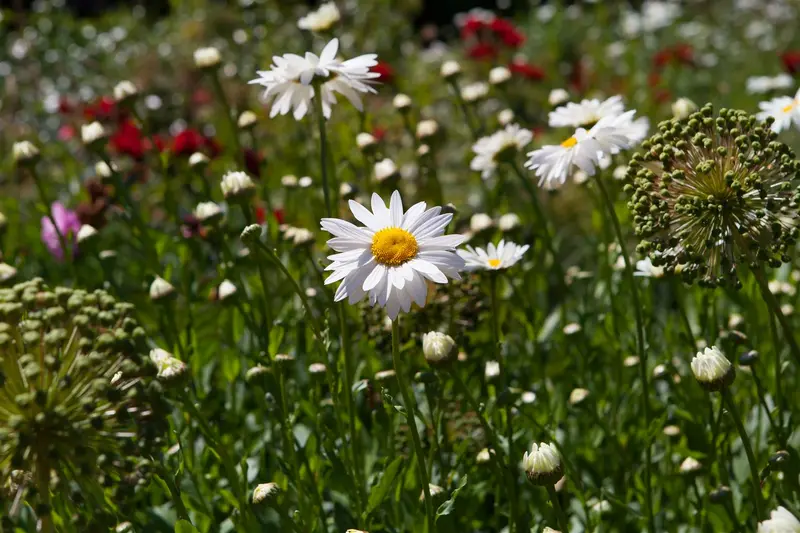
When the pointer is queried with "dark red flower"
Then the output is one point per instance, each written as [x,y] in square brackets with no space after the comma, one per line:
[472,26]
[65,105]
[202,96]
[158,143]
[128,140]
[252,162]
[103,109]
[791,61]
[278,215]
[507,33]
[385,71]
[526,70]
[653,79]
[379,133]
[662,95]
[482,51]
[662,58]
[681,53]
[188,142]
[212,146]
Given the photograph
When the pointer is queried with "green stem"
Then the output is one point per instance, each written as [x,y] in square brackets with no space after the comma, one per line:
[775,308]
[464,109]
[422,472]
[748,450]
[237,145]
[562,518]
[175,493]
[640,346]
[347,381]
[323,153]
[288,435]
[43,489]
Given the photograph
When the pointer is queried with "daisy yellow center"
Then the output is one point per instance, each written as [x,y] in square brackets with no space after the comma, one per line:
[394,246]
[494,263]
[569,143]
[789,107]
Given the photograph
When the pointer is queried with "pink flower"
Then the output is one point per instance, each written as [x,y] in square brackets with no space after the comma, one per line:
[68,225]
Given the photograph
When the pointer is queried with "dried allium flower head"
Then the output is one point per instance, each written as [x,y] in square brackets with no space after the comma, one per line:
[708,192]
[78,403]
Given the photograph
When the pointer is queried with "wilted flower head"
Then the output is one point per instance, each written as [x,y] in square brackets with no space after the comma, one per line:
[208,57]
[780,521]
[78,391]
[321,20]
[712,369]
[542,464]
[438,347]
[708,191]
[237,184]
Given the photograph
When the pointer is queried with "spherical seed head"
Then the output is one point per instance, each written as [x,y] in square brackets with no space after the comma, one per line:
[265,492]
[438,348]
[542,464]
[84,394]
[251,233]
[712,369]
[709,193]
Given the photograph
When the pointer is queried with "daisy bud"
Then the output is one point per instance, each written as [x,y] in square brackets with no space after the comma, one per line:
[600,507]
[321,20]
[426,129]
[347,190]
[712,369]
[207,58]
[161,289]
[24,152]
[435,490]
[682,108]
[226,290]
[450,70]
[317,369]
[237,184]
[124,527]
[305,182]
[571,329]
[508,222]
[125,91]
[577,396]
[284,359]
[246,120]
[385,170]
[85,233]
[7,272]
[484,456]
[557,96]
[475,92]
[499,76]
[491,370]
[505,117]
[366,142]
[264,492]
[528,397]
[402,102]
[251,233]
[620,172]
[256,375]
[107,255]
[170,369]
[289,181]
[92,133]
[690,465]
[748,358]
[672,430]
[302,237]
[385,375]
[423,151]
[198,160]
[102,169]
[208,212]
[480,222]
[438,348]
[542,464]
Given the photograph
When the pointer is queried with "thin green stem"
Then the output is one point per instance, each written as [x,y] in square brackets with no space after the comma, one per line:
[288,435]
[422,472]
[323,153]
[775,308]
[748,450]
[464,109]
[175,494]
[237,145]
[562,518]
[640,346]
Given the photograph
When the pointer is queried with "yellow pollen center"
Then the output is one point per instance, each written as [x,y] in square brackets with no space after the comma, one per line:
[494,263]
[569,143]
[789,107]
[393,246]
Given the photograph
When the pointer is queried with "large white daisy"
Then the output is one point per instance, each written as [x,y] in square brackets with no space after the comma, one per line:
[586,113]
[584,149]
[504,255]
[393,255]
[784,109]
[780,521]
[499,146]
[292,80]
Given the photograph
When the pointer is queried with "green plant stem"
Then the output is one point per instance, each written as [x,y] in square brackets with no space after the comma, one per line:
[727,398]
[323,152]
[640,346]
[562,518]
[288,435]
[422,472]
[175,493]
[776,430]
[237,145]
[464,109]
[775,308]
[43,489]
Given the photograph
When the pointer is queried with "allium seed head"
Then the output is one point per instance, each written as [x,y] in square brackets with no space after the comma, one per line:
[709,193]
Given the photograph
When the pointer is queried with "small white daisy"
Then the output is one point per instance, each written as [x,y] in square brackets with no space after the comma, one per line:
[323,19]
[290,81]
[784,109]
[502,145]
[585,113]
[504,255]
[393,255]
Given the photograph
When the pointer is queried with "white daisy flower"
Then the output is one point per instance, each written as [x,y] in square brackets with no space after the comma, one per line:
[500,146]
[557,96]
[393,255]
[502,256]
[554,163]
[784,109]
[289,81]
[323,19]
[780,521]
[765,84]
[586,113]
[474,91]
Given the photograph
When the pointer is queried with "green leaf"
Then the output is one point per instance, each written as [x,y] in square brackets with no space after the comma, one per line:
[184,526]
[549,325]
[447,507]
[231,366]
[385,484]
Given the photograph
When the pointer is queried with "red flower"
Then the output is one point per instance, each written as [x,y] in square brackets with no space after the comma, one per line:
[212,146]
[662,58]
[158,143]
[201,96]
[791,61]
[261,214]
[379,133]
[102,109]
[472,26]
[680,53]
[187,142]
[128,140]
[482,51]
[66,132]
[504,29]
[526,70]
[65,105]
[385,71]
[653,79]
[252,162]
[278,215]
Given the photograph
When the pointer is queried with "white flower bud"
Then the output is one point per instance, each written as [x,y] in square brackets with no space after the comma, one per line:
[438,347]
[542,464]
[226,290]
[683,107]
[620,172]
[479,222]
[402,102]
[423,151]
[689,466]
[557,96]
[366,141]
[347,190]
[491,370]
[161,289]
[499,75]
[572,328]
[323,19]
[505,117]
[24,152]
[93,132]
[169,367]
[125,90]
[289,181]
[7,272]
[207,57]
[385,375]
[577,396]
[85,233]
[317,368]
[385,169]
[305,182]
[198,159]
[435,491]
[237,184]
[484,456]
[450,69]
[207,211]
[302,237]
[247,119]
[264,492]
[426,129]
[550,530]
[474,92]
[712,369]
[124,527]
[508,222]
[102,169]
